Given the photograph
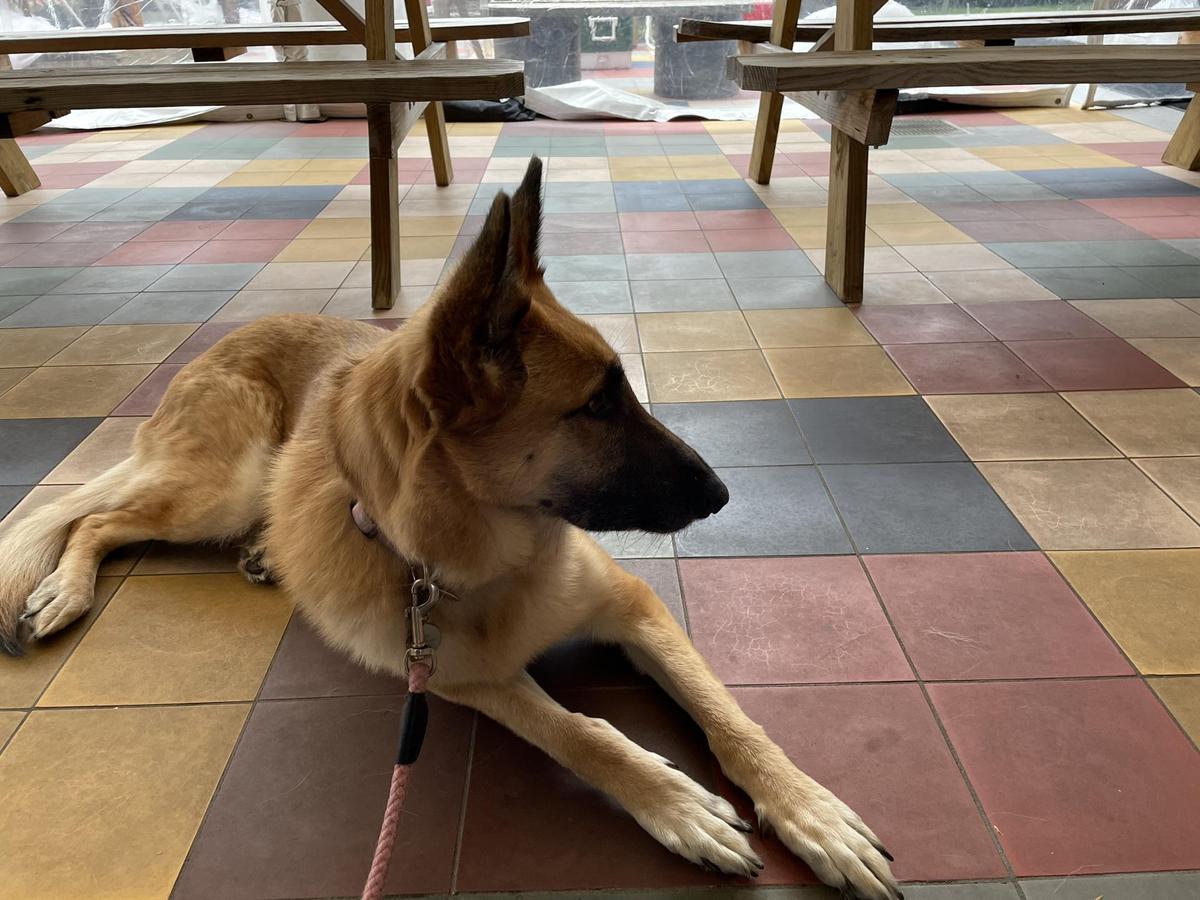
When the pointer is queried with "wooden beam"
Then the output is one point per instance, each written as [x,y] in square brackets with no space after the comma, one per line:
[382,122]
[846,212]
[15,124]
[1117,63]
[251,84]
[1184,147]
[770,104]
[435,116]
[16,175]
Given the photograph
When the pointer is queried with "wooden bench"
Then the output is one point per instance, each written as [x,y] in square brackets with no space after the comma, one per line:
[396,91]
[855,89]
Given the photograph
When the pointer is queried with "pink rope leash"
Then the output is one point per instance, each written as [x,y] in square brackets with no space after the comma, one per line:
[411,734]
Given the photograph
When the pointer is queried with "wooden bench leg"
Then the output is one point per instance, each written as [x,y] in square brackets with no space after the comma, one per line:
[1184,149]
[381,166]
[16,174]
[846,220]
[435,116]
[770,105]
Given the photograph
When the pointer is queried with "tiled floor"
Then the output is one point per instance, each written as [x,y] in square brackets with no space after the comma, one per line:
[959,579]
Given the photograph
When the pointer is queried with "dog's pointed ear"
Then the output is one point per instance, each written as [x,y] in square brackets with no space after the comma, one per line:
[527,223]
[474,364]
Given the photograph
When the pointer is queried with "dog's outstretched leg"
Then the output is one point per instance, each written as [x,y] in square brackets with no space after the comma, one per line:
[678,812]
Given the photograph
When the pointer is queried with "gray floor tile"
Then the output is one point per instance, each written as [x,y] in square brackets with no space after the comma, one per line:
[585,268]
[783,293]
[671,266]
[979,890]
[1098,283]
[207,277]
[663,576]
[33,282]
[1139,253]
[66,309]
[166,307]
[874,430]
[923,508]
[738,432]
[10,496]
[1168,281]
[1048,254]
[636,544]
[1149,886]
[766,264]
[30,448]
[112,280]
[691,295]
[9,305]
[772,511]
[593,297]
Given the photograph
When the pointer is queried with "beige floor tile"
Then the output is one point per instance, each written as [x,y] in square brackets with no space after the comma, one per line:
[8,725]
[67,391]
[722,330]
[951,257]
[1147,601]
[1179,356]
[620,330]
[1019,426]
[989,286]
[429,247]
[110,443]
[421,226]
[901,289]
[1182,696]
[876,261]
[323,250]
[21,347]
[837,372]
[807,328]
[900,214]
[199,638]
[355,303]
[276,276]
[246,306]
[321,229]
[106,802]
[1179,477]
[920,233]
[1142,318]
[1144,423]
[186,559]
[22,679]
[721,375]
[11,377]
[107,345]
[1097,504]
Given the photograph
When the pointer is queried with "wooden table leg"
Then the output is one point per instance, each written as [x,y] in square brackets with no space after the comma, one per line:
[770,104]
[435,116]
[381,140]
[16,174]
[1184,149]
[846,221]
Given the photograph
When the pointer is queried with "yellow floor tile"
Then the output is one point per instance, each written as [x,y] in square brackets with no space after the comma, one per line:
[724,330]
[464,129]
[1146,600]
[199,638]
[11,377]
[110,443]
[813,237]
[1142,318]
[324,250]
[358,227]
[807,328]
[802,217]
[1029,163]
[67,391]
[254,179]
[327,176]
[22,679]
[1179,356]
[1144,423]
[720,375]
[353,166]
[1100,504]
[107,345]
[837,372]
[430,226]
[1179,477]
[921,233]
[1182,696]
[432,247]
[8,724]
[186,559]
[106,802]
[900,214]
[33,346]
[273,165]
[1019,426]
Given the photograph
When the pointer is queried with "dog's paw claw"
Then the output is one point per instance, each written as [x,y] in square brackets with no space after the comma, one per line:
[53,606]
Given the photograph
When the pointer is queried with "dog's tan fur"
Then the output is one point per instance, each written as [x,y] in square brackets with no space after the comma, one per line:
[450,449]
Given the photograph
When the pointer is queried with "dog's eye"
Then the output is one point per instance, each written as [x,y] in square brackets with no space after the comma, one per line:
[600,406]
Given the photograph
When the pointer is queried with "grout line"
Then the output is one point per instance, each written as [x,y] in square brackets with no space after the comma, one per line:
[462,813]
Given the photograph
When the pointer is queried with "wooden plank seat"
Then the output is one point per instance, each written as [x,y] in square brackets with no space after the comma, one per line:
[987,28]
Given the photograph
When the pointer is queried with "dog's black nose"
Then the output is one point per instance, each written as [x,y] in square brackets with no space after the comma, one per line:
[716,495]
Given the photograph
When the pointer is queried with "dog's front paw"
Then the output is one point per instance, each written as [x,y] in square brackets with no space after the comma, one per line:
[830,837]
[54,605]
[698,825]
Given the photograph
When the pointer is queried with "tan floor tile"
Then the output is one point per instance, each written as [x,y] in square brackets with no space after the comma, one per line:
[837,372]
[723,330]
[11,377]
[1182,696]
[1147,601]
[807,328]
[320,229]
[989,286]
[951,257]
[305,275]
[107,345]
[186,559]
[1142,318]
[900,214]
[431,247]
[106,802]
[1090,505]
[1179,477]
[247,179]
[876,261]
[1179,356]
[199,638]
[721,375]
[802,217]
[33,346]
[921,233]
[8,725]
[421,226]
[274,165]
[324,250]
[1019,426]
[107,445]
[901,289]
[246,306]
[66,391]
[1144,423]
[620,330]
[317,178]
[812,237]
[23,679]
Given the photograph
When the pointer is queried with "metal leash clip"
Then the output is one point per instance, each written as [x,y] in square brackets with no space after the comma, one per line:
[425,596]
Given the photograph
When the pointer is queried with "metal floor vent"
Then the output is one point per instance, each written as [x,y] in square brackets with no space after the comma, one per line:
[924,127]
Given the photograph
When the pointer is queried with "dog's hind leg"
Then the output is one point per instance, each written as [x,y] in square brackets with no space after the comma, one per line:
[253,561]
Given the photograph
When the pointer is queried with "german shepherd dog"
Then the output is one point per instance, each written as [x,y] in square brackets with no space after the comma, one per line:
[483,438]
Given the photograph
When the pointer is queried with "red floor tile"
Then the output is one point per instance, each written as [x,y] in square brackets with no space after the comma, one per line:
[200,340]
[790,621]
[237,251]
[724,219]
[1093,365]
[1078,777]
[879,749]
[1036,320]
[298,811]
[1090,230]
[1052,210]
[991,615]
[750,239]
[665,242]
[145,397]
[1167,227]
[995,230]
[933,323]
[183,231]
[30,232]
[658,221]
[305,666]
[1142,207]
[263,230]
[964,369]
[101,232]
[149,253]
